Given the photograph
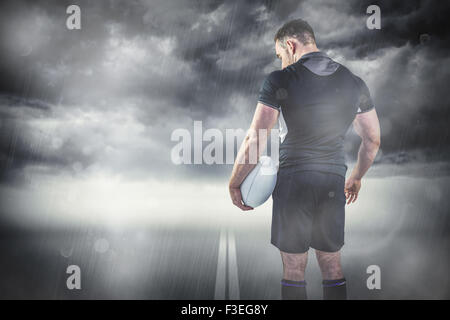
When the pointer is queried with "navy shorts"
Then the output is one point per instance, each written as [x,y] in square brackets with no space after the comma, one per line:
[308,211]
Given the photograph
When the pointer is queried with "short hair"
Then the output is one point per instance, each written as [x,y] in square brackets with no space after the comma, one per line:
[298,29]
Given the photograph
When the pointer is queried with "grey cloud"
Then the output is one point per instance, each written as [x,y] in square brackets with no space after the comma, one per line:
[163,64]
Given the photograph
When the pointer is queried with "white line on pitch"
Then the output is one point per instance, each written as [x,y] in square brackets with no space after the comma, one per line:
[233,281]
[219,293]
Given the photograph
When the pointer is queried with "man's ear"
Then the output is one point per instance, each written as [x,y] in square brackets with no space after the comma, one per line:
[290,45]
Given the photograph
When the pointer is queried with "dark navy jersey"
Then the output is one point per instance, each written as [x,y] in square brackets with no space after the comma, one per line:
[318,99]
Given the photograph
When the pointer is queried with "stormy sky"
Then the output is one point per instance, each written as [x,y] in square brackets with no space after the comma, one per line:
[104,100]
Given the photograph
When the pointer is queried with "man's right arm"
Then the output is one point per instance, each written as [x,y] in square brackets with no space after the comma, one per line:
[367,126]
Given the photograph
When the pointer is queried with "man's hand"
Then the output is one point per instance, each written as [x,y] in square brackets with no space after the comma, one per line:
[352,186]
[236,197]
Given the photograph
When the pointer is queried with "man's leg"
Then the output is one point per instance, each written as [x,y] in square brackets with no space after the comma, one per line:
[334,285]
[293,285]
[293,209]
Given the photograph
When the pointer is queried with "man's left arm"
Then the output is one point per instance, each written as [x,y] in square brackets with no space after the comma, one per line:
[253,145]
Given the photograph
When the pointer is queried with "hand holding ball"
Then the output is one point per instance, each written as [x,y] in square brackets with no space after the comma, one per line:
[260,183]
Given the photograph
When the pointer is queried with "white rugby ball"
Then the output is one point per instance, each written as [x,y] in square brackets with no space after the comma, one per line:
[260,182]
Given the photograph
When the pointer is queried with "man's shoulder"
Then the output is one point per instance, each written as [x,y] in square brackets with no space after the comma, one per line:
[365,102]
[357,80]
[282,77]
[277,76]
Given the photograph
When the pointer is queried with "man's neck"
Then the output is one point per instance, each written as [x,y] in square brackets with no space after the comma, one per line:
[306,49]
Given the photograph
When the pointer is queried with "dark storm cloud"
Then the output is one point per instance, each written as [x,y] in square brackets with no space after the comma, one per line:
[402,22]
[159,65]
[59,63]
[23,144]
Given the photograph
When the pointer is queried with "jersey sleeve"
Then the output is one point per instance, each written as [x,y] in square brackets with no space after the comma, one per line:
[272,92]
[365,102]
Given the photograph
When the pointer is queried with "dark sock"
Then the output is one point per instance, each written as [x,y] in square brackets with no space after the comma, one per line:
[334,289]
[293,290]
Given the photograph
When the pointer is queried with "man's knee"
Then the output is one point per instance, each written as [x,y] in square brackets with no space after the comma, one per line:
[294,265]
[330,264]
